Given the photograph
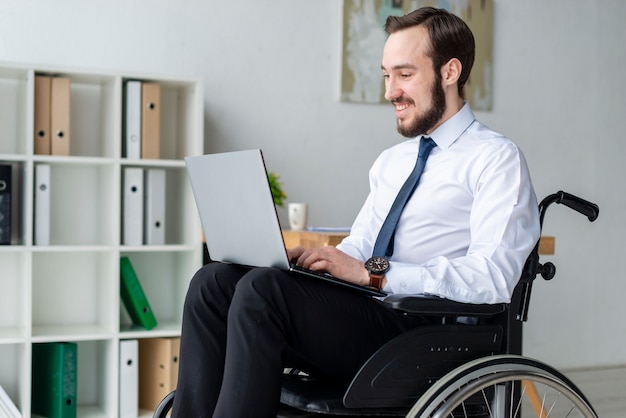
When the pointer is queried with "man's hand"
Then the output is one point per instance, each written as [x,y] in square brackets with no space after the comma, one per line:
[331,260]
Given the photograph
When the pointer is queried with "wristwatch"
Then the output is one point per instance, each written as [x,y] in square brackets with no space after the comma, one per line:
[377,267]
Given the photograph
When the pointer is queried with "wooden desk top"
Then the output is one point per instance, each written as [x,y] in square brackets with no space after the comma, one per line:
[312,239]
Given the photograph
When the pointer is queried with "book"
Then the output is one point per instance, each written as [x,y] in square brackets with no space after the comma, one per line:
[54,375]
[5,203]
[43,92]
[129,383]
[60,116]
[154,207]
[133,296]
[150,120]
[158,369]
[42,204]
[132,202]
[132,120]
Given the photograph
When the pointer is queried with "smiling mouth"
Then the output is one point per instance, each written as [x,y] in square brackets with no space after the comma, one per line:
[400,105]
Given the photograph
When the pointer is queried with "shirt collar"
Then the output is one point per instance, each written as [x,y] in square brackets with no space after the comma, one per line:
[449,131]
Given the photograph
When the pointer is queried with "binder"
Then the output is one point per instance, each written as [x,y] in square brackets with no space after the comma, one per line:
[158,361]
[129,379]
[154,205]
[150,120]
[175,341]
[5,203]
[43,92]
[133,296]
[54,379]
[42,204]
[132,201]
[132,120]
[60,116]
[7,407]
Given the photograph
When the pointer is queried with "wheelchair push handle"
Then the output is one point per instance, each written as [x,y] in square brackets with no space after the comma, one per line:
[589,209]
[532,267]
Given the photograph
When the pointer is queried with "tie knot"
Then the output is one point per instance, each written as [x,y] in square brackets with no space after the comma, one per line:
[426,145]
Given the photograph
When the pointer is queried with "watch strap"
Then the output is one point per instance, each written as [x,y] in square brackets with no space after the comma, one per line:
[376,280]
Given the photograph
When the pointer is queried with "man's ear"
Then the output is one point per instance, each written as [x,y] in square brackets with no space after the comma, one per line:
[451,71]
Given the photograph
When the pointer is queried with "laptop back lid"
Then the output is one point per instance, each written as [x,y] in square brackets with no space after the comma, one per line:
[236,209]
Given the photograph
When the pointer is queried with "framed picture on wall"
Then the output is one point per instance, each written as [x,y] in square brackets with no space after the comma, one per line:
[364,38]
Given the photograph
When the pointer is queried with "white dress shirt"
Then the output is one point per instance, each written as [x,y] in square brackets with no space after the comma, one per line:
[470,224]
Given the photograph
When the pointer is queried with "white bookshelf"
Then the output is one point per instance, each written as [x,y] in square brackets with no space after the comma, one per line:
[69,290]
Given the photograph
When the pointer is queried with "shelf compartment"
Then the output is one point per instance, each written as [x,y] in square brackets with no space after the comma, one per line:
[14,377]
[95,381]
[14,317]
[180,210]
[97,371]
[179,117]
[164,277]
[94,122]
[14,115]
[72,294]
[89,219]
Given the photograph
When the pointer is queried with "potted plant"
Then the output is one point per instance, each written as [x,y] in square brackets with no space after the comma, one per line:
[276,186]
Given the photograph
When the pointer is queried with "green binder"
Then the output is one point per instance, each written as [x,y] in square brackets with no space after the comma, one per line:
[54,380]
[133,297]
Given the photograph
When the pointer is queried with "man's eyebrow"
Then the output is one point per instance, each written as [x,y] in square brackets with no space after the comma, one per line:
[399,67]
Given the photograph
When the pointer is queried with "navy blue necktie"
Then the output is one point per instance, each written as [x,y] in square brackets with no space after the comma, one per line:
[384,242]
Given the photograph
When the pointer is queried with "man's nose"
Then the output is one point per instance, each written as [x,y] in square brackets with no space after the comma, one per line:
[391,90]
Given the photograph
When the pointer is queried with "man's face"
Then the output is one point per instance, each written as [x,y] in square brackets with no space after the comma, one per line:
[411,84]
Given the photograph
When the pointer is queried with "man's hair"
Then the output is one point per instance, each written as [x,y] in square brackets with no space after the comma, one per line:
[450,37]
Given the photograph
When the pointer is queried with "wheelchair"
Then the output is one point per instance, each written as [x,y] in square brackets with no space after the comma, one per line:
[469,364]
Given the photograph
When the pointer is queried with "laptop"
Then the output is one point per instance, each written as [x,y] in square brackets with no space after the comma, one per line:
[238,215]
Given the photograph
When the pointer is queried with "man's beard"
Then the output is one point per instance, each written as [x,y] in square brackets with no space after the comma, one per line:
[424,123]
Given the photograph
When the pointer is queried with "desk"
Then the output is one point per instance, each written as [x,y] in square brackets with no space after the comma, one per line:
[312,239]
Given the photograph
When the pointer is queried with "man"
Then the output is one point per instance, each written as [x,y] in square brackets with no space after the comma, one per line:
[464,234]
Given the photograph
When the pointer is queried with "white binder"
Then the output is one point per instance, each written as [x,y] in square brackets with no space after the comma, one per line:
[132,120]
[154,205]
[129,380]
[132,216]
[42,204]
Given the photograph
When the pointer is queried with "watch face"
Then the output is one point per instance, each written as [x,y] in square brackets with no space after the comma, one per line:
[377,265]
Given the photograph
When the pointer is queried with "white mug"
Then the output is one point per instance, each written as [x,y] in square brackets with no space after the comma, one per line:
[297,216]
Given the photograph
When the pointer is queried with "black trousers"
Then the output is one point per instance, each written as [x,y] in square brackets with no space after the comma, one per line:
[242,327]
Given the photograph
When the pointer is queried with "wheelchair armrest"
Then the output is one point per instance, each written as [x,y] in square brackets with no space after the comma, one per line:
[436,306]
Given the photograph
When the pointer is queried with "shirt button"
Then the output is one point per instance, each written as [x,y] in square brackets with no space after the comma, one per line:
[404,286]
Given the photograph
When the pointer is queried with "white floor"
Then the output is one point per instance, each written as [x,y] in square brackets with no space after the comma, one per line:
[604,388]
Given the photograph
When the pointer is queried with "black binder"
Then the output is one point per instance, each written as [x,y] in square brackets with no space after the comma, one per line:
[5,204]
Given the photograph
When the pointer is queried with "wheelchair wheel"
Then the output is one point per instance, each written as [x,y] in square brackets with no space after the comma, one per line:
[505,386]
[165,405]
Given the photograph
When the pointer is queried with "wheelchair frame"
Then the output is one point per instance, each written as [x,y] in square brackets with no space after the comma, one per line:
[451,369]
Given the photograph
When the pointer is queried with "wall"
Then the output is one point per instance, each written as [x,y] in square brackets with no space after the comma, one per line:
[271,71]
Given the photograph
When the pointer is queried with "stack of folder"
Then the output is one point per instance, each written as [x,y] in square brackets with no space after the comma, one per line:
[143,201]
[158,370]
[52,115]
[54,379]
[142,120]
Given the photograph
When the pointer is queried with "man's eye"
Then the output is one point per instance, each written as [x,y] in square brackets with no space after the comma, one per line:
[405,75]
[385,76]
